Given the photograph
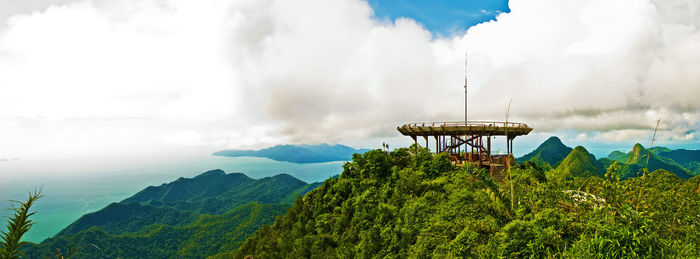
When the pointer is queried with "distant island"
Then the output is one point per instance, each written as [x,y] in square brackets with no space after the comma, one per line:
[299,153]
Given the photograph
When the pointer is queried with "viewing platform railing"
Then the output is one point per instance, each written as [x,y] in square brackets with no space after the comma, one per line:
[493,128]
[470,124]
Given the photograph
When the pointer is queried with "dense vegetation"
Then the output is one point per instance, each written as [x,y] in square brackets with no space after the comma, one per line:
[299,153]
[190,217]
[410,203]
[207,235]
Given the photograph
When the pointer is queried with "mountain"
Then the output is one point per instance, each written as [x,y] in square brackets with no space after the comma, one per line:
[299,153]
[180,218]
[638,157]
[215,192]
[690,159]
[119,218]
[581,163]
[657,150]
[548,155]
[618,156]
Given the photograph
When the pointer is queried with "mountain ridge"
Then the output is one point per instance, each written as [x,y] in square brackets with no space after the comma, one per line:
[638,156]
[174,216]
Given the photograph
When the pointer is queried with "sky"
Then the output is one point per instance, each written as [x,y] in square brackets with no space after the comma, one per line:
[91,78]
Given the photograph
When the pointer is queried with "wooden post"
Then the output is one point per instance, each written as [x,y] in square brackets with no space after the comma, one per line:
[488,148]
[481,151]
[466,148]
[437,145]
[511,146]
[471,143]
[426,142]
[508,142]
[459,150]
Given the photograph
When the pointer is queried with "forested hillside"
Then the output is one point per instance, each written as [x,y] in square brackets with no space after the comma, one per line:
[690,159]
[187,218]
[409,203]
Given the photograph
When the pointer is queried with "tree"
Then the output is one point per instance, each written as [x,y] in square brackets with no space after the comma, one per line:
[17,225]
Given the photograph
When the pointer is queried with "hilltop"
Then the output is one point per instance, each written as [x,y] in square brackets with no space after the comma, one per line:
[410,203]
[581,163]
[548,154]
[298,153]
[618,156]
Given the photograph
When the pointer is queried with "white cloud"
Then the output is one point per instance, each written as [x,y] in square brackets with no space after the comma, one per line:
[101,76]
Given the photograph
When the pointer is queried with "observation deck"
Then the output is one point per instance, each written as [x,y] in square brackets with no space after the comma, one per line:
[464,141]
[493,128]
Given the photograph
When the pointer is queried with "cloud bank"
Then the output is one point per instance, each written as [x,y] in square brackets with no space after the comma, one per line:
[96,76]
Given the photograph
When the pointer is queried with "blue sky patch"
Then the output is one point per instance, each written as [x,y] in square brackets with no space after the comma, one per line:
[441,17]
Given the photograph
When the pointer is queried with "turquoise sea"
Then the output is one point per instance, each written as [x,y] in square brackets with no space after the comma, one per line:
[73,189]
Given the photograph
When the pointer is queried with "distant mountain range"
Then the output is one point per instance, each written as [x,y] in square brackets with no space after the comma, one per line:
[553,154]
[179,219]
[299,153]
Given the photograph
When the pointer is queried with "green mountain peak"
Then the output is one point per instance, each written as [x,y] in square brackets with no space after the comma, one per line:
[580,149]
[548,154]
[638,156]
[618,156]
[581,163]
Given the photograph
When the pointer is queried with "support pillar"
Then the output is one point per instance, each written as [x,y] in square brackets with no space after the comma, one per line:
[426,142]
[437,145]
[481,151]
[488,148]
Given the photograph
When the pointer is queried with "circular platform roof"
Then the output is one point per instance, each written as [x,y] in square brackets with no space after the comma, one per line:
[493,128]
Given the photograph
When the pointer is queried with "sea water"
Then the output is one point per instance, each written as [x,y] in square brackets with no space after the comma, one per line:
[71,189]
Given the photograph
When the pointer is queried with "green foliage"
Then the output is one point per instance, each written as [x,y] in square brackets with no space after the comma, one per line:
[411,204]
[17,225]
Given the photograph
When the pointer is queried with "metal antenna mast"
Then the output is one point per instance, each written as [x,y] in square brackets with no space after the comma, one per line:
[466,121]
